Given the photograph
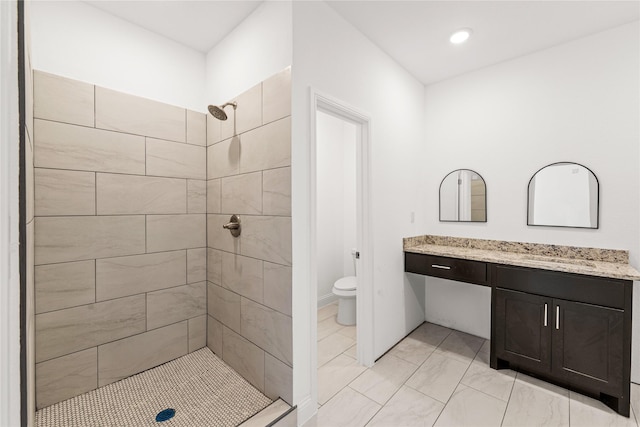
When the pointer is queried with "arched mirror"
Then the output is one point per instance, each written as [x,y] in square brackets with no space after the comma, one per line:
[563,195]
[463,197]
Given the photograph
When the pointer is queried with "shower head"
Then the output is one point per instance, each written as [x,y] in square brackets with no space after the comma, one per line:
[218,112]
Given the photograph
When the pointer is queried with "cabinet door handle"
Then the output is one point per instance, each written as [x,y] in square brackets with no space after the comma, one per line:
[546,315]
[557,317]
[443,267]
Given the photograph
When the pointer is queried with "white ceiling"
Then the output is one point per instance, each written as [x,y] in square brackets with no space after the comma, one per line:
[414,33]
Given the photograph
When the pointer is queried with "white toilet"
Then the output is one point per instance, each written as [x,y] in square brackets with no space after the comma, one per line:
[345,290]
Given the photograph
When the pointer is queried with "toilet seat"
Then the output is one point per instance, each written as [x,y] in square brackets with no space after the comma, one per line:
[348,283]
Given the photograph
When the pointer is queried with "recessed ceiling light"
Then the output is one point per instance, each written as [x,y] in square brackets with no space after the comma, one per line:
[460,36]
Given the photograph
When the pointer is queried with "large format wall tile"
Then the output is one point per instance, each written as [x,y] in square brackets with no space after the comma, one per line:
[276,96]
[213,130]
[213,196]
[224,306]
[196,265]
[131,114]
[131,194]
[197,332]
[196,196]
[171,232]
[214,266]
[278,379]
[248,115]
[242,275]
[63,146]
[266,147]
[63,100]
[196,128]
[120,359]
[73,329]
[61,192]
[242,194]
[65,377]
[267,238]
[219,238]
[59,286]
[124,276]
[243,356]
[214,335]
[268,329]
[223,158]
[176,304]
[165,158]
[61,239]
[277,287]
[276,192]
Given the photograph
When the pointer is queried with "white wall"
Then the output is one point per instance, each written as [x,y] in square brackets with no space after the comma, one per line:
[576,102]
[336,201]
[337,60]
[256,49]
[79,41]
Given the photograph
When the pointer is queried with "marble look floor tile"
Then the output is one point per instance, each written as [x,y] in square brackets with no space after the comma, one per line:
[408,408]
[327,327]
[460,346]
[496,383]
[536,403]
[469,407]
[327,311]
[588,412]
[412,350]
[438,377]
[349,331]
[430,333]
[332,346]
[336,375]
[348,408]
[352,352]
[381,381]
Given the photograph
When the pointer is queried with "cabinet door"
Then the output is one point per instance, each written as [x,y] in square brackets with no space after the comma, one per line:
[588,345]
[523,329]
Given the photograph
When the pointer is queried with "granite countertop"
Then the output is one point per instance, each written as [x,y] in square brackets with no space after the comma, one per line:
[569,259]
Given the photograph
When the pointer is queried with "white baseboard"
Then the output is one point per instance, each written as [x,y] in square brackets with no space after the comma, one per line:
[306,411]
[326,300]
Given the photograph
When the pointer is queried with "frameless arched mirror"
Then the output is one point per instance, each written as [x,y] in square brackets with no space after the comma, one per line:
[563,195]
[463,197]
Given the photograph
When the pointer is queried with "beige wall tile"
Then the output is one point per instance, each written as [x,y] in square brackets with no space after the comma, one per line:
[267,328]
[62,100]
[242,275]
[129,356]
[214,266]
[165,158]
[196,196]
[176,304]
[196,265]
[131,114]
[63,146]
[197,332]
[223,158]
[214,335]
[218,237]
[243,356]
[224,306]
[62,239]
[277,287]
[61,192]
[267,238]
[249,111]
[123,276]
[276,96]
[29,178]
[131,194]
[276,192]
[213,196]
[66,331]
[228,128]
[170,232]
[266,147]
[242,194]
[59,286]
[196,128]
[65,377]
[213,130]
[278,379]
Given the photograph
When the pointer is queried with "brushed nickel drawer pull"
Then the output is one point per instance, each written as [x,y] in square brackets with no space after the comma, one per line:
[557,317]
[546,315]
[442,267]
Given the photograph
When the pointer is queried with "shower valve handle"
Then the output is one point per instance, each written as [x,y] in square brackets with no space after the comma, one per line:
[233,225]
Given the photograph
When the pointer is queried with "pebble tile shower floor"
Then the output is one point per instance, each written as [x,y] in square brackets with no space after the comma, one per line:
[202,389]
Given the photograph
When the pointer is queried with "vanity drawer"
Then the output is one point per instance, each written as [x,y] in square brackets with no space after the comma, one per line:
[572,287]
[448,268]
